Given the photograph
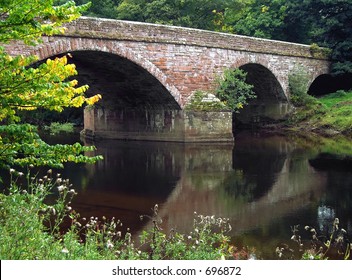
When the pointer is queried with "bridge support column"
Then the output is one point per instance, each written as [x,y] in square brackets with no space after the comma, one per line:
[158,125]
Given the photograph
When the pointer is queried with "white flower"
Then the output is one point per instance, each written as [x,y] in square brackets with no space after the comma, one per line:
[109,244]
[61,188]
[65,251]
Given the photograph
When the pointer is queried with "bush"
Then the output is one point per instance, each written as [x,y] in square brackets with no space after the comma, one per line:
[298,81]
[204,101]
[233,90]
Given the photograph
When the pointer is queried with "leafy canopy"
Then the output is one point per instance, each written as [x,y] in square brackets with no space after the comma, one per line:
[23,87]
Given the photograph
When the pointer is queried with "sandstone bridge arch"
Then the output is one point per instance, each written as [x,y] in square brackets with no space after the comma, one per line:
[149,71]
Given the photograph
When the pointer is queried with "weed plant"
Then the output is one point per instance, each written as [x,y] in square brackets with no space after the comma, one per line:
[33,210]
[336,245]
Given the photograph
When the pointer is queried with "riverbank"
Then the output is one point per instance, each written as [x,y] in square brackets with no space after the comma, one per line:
[329,115]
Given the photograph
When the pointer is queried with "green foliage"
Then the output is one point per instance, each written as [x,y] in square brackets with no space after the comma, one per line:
[25,88]
[21,145]
[339,113]
[203,101]
[298,81]
[331,113]
[261,18]
[326,22]
[56,128]
[207,240]
[319,52]
[190,13]
[27,20]
[233,90]
[31,228]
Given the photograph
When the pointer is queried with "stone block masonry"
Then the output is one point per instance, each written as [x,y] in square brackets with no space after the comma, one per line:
[169,64]
[158,125]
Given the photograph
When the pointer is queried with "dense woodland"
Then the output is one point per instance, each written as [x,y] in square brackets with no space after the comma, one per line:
[326,23]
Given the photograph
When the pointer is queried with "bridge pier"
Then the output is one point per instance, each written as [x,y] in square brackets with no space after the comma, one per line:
[158,125]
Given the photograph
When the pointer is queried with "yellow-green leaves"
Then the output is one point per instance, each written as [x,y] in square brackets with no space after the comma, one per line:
[25,87]
[28,20]
[47,86]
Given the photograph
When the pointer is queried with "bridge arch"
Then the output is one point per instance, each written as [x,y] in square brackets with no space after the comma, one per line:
[266,85]
[91,47]
[271,102]
[327,83]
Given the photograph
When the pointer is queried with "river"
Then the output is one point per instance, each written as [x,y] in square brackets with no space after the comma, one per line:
[265,184]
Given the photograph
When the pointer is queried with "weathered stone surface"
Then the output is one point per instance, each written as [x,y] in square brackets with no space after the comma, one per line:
[158,125]
[147,72]
[182,59]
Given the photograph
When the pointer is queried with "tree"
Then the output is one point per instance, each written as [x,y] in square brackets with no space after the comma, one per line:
[188,13]
[328,23]
[98,8]
[258,18]
[23,87]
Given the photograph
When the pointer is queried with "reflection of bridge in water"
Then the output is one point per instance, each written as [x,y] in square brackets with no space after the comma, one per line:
[291,185]
[255,182]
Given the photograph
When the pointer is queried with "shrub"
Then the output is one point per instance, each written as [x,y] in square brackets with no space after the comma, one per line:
[233,89]
[204,101]
[298,81]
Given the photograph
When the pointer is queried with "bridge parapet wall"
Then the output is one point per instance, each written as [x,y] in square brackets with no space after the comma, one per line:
[86,27]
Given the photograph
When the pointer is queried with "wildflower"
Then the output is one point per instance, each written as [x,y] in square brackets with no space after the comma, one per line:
[20,174]
[61,188]
[72,191]
[109,244]
[12,170]
[65,251]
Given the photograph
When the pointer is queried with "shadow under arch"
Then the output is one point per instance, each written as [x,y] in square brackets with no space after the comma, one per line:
[271,103]
[326,83]
[122,83]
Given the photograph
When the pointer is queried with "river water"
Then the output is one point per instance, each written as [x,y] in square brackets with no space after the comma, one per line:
[264,184]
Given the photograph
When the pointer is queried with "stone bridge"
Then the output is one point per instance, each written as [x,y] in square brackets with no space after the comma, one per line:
[146,74]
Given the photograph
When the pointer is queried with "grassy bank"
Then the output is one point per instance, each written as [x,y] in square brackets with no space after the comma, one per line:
[327,115]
